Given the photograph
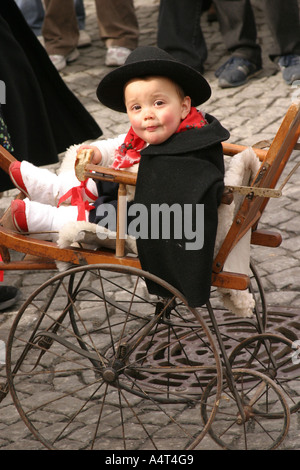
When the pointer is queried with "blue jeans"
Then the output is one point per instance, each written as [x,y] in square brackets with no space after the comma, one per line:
[33,12]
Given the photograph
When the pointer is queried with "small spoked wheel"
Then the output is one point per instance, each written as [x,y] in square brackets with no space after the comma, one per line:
[233,327]
[275,356]
[248,400]
[96,362]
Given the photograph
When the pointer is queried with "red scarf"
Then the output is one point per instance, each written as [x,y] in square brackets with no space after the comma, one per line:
[128,153]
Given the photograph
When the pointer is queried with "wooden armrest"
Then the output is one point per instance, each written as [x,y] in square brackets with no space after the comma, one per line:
[266,238]
[233,149]
[229,280]
[108,174]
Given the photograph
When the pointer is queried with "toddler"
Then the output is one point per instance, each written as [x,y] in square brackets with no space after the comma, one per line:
[52,200]
[176,150]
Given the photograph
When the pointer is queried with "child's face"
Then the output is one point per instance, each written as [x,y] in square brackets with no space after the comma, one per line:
[155,108]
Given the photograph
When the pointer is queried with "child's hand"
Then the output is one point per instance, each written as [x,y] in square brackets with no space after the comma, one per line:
[97,158]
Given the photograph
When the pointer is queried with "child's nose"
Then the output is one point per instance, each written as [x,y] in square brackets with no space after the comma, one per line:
[148,113]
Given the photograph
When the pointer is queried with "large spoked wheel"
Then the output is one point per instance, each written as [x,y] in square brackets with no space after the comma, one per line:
[275,356]
[95,362]
[247,426]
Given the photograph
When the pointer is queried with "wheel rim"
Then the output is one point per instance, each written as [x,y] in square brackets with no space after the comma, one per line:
[275,356]
[253,431]
[112,363]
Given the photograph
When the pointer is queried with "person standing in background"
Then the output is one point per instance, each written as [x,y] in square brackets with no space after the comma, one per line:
[179,31]
[119,29]
[60,32]
[62,28]
[42,115]
[237,24]
[180,34]
[34,13]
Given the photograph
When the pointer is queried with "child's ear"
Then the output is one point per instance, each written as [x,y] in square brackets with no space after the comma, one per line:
[185,107]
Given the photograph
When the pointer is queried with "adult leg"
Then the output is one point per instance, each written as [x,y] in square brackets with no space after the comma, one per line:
[118,27]
[238,28]
[80,13]
[84,39]
[284,23]
[237,25]
[33,12]
[179,31]
[60,28]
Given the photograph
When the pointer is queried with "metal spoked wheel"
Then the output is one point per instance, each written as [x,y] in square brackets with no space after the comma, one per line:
[251,428]
[275,356]
[95,362]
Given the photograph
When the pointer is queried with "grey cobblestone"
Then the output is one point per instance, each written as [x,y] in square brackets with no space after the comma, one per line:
[251,113]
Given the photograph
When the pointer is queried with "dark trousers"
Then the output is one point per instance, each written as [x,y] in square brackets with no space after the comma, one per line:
[180,34]
[237,24]
[179,31]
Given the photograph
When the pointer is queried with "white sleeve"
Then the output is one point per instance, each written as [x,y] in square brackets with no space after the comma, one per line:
[107,148]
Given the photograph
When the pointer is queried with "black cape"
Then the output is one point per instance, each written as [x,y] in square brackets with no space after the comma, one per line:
[188,171]
[42,115]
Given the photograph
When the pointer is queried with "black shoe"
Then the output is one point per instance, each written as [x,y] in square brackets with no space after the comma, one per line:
[236,72]
[290,67]
[9,295]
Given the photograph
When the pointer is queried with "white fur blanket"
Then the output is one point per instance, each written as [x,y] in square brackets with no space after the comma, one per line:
[240,171]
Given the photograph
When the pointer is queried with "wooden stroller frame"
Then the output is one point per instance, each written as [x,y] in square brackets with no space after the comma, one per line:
[42,255]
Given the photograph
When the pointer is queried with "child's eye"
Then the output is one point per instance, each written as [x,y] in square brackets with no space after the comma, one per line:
[136,107]
[159,103]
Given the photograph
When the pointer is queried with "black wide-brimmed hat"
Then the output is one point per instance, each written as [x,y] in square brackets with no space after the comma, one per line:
[151,61]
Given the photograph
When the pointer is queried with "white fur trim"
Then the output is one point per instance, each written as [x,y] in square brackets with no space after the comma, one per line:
[68,161]
[241,170]
[91,236]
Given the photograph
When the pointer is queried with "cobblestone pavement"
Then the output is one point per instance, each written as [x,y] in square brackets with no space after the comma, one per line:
[251,113]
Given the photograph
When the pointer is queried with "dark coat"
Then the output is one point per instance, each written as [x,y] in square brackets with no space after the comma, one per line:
[43,117]
[188,169]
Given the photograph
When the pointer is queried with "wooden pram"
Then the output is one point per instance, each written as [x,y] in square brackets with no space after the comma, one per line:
[160,358]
